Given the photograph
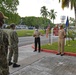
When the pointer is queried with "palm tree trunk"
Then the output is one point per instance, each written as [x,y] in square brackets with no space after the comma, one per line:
[75,15]
[53,21]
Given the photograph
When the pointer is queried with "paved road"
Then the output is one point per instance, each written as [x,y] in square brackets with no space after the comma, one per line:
[30,40]
[34,63]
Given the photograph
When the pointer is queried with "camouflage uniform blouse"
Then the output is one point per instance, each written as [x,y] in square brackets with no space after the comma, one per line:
[13,38]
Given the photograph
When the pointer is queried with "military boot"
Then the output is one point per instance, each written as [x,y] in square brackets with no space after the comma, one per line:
[16,65]
[10,63]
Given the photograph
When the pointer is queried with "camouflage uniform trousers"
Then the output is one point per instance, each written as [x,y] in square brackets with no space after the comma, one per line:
[6,48]
[13,51]
[4,68]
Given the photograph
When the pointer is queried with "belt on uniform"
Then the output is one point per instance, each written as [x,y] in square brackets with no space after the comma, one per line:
[37,37]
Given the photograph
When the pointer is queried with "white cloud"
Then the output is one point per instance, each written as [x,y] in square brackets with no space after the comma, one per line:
[32,8]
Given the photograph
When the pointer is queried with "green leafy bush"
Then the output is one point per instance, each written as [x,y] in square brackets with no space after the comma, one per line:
[71,34]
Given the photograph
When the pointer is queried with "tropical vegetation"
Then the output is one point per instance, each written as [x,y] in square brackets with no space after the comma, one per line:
[9,7]
[69,3]
[36,21]
[52,14]
[44,11]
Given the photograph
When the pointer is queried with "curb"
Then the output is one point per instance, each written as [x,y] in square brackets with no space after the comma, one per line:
[55,52]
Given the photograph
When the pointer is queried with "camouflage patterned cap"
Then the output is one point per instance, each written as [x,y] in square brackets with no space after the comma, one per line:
[2,16]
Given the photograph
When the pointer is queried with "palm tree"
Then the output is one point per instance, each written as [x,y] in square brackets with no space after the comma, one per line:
[52,14]
[44,11]
[71,3]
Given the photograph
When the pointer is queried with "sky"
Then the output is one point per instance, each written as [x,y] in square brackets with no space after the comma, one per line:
[32,8]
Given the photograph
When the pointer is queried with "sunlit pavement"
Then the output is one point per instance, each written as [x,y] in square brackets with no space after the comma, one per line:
[34,63]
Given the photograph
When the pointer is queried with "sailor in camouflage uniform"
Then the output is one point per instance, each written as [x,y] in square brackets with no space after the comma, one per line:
[13,46]
[4,69]
[6,43]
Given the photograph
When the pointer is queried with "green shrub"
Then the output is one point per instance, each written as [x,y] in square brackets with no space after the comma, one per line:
[71,34]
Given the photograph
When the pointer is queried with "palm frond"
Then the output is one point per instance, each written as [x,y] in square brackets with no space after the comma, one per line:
[59,0]
[73,3]
[65,3]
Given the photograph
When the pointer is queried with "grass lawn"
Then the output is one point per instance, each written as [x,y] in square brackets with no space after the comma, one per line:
[23,32]
[68,48]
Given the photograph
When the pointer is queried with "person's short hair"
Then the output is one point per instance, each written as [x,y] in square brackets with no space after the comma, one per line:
[61,26]
[12,25]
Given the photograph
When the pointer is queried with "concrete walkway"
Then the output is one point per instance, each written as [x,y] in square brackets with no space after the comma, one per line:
[34,63]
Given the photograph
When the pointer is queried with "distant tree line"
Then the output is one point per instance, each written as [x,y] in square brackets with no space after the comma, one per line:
[9,8]
[36,21]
